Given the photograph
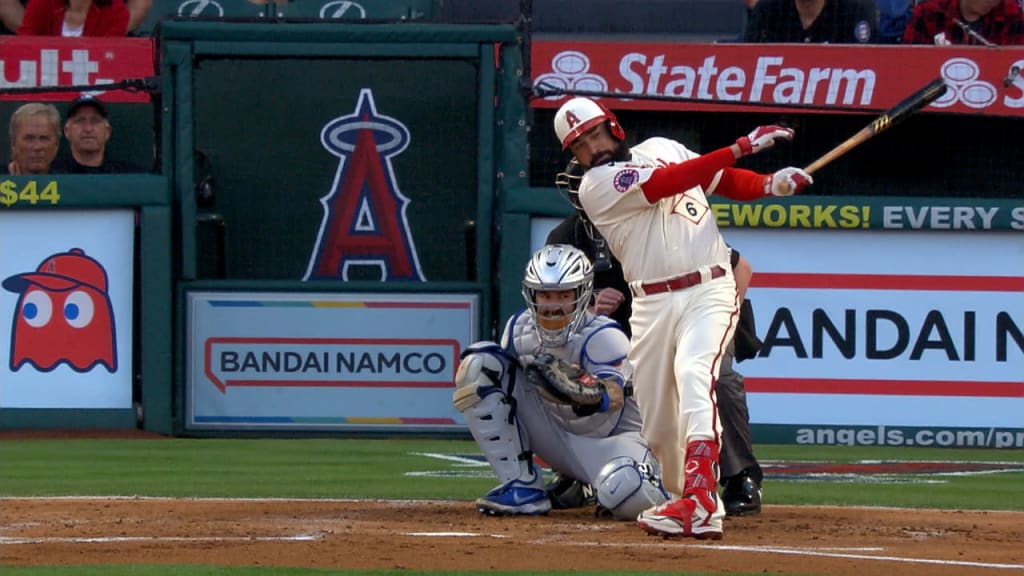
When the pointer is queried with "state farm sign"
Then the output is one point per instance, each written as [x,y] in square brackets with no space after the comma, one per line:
[818,77]
[40,61]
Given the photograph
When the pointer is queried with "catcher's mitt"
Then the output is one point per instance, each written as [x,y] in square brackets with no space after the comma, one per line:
[565,383]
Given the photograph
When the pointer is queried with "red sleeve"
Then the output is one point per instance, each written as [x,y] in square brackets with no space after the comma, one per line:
[36,21]
[675,178]
[111,20]
[118,19]
[740,184]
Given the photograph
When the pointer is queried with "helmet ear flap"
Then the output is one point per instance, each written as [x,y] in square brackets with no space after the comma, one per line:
[617,130]
[613,123]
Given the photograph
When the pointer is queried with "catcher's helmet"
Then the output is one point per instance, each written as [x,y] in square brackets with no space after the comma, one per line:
[558,267]
[580,114]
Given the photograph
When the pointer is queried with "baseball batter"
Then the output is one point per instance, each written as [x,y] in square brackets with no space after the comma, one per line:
[650,203]
[741,474]
[511,417]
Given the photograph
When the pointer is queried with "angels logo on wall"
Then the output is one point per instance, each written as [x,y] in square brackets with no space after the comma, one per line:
[364,225]
[64,315]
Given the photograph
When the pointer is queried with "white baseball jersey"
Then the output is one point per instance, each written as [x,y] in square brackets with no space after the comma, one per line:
[679,337]
[678,238]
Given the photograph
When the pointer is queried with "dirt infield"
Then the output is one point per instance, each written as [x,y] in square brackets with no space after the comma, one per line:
[452,536]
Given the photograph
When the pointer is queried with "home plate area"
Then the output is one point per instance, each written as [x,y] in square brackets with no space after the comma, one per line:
[446,535]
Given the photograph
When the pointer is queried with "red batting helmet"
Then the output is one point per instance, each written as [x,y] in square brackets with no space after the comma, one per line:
[580,114]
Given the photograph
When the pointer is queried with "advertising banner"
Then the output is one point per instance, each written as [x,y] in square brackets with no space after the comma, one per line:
[325,361]
[749,77]
[66,308]
[887,329]
[40,61]
[875,212]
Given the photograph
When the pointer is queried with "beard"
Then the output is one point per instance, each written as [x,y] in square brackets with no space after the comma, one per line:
[618,154]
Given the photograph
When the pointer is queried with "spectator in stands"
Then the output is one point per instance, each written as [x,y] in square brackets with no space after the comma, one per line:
[11,12]
[977,22]
[35,136]
[87,130]
[893,16]
[73,18]
[813,21]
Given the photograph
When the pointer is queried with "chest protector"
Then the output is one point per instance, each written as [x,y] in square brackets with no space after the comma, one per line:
[580,349]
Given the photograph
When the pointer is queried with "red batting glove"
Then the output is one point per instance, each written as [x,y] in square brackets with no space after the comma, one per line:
[786,182]
[762,138]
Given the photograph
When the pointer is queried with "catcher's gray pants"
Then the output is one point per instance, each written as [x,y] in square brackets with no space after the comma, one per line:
[737,451]
[577,456]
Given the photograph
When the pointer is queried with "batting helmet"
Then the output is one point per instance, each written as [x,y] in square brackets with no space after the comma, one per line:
[580,114]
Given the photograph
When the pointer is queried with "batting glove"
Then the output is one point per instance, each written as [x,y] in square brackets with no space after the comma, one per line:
[786,182]
[762,138]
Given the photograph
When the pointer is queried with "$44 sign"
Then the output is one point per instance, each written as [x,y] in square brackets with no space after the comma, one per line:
[30,193]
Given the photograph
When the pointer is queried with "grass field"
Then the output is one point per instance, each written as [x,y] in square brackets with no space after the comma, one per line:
[349,468]
[425,469]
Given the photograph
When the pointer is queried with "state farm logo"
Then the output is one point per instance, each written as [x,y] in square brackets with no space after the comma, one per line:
[768,79]
[50,69]
[196,8]
[342,9]
[961,76]
[571,72]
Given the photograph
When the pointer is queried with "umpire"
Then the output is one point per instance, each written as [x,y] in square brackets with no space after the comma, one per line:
[741,475]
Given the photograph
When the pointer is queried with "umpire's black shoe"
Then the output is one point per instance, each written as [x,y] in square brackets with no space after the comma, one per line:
[741,496]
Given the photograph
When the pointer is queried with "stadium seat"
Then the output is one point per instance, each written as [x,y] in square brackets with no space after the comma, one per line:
[356,9]
[163,9]
[690,20]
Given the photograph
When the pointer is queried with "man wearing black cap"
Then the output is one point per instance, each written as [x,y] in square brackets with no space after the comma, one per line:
[87,131]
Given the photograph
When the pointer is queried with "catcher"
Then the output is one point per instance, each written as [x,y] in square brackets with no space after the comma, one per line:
[558,385]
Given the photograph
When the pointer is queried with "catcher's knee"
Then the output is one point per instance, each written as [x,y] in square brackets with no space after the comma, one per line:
[627,487]
[481,372]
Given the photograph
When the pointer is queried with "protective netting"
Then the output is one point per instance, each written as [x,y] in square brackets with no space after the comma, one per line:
[930,154]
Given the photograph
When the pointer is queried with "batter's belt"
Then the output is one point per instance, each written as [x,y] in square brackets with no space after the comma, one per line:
[676,283]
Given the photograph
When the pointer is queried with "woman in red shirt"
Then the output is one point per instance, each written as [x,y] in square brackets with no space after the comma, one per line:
[75,18]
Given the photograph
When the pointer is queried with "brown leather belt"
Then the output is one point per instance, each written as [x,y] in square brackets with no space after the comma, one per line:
[678,283]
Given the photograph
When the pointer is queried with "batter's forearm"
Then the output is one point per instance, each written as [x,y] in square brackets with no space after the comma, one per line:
[675,178]
[740,184]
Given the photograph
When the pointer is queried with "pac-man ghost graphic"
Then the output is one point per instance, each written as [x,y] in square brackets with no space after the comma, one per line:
[64,315]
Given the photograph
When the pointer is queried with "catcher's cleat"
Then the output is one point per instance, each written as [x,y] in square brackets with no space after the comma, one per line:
[679,518]
[514,498]
[741,496]
[565,493]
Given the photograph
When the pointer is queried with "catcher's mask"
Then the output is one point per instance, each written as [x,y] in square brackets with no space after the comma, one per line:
[558,267]
[580,114]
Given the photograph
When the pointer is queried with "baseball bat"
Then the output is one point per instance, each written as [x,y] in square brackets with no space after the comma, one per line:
[891,117]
